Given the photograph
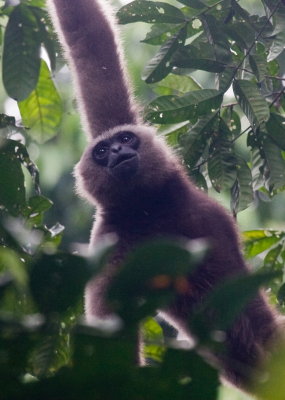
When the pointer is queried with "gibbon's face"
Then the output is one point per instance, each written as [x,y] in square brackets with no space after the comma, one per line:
[118,154]
[120,160]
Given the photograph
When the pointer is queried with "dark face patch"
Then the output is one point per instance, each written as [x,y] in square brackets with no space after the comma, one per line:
[119,154]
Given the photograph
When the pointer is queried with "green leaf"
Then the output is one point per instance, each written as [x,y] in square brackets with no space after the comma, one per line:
[222,164]
[251,101]
[273,259]
[258,65]
[160,33]
[12,193]
[21,54]
[34,3]
[172,109]
[232,120]
[151,12]
[176,84]
[216,38]
[36,206]
[242,192]
[47,36]
[159,65]
[193,3]
[240,13]
[201,56]
[275,127]
[149,272]
[275,164]
[277,46]
[42,110]
[258,164]
[53,280]
[225,79]
[242,33]
[278,10]
[18,150]
[198,178]
[39,204]
[257,241]
[173,136]
[11,263]
[189,369]
[153,348]
[196,140]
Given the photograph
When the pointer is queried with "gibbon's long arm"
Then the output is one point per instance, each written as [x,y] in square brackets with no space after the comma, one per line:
[88,34]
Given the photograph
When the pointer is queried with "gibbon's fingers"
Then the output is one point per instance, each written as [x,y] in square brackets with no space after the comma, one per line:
[89,37]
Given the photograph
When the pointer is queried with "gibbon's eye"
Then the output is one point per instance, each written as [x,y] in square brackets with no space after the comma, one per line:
[126,137]
[101,150]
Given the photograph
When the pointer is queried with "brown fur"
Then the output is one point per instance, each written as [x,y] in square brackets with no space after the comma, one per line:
[161,201]
[158,200]
[96,60]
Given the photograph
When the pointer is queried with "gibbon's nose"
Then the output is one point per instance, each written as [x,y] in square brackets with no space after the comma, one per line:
[116,148]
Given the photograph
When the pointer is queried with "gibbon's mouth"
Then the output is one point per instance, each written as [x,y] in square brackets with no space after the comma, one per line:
[125,166]
[121,160]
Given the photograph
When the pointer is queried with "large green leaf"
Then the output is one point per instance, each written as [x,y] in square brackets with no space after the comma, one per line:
[172,109]
[251,101]
[257,241]
[42,110]
[151,12]
[159,65]
[21,54]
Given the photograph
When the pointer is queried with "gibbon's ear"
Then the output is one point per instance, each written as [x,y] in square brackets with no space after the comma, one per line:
[89,35]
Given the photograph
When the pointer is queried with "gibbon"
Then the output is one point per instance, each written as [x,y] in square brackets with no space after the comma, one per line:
[141,190]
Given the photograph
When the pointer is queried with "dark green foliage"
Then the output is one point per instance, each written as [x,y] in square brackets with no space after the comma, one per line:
[238,49]
[46,352]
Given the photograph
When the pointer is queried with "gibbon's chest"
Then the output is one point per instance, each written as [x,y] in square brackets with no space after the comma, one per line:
[140,225]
